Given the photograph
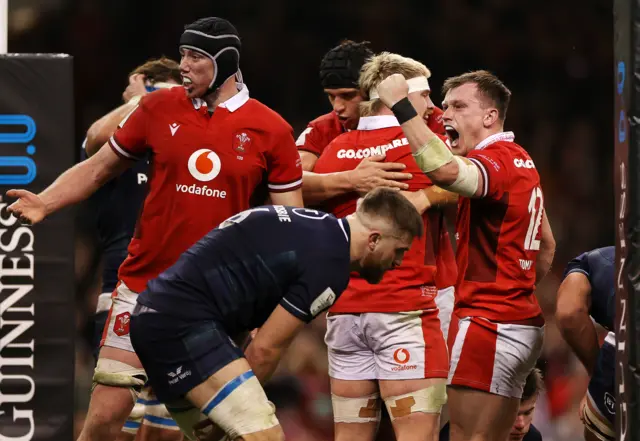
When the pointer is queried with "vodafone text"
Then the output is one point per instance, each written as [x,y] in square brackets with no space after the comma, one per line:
[16,319]
[201,190]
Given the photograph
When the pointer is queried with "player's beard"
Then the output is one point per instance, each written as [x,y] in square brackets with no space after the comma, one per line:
[372,272]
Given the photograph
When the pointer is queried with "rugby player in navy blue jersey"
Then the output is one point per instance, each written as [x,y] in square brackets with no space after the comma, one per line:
[587,295]
[274,268]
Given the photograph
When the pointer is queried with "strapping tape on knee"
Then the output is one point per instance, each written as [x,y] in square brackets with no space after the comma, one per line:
[356,410]
[115,373]
[428,400]
[241,407]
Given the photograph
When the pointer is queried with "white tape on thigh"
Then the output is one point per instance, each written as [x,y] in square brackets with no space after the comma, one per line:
[428,400]
[115,373]
[241,407]
[356,410]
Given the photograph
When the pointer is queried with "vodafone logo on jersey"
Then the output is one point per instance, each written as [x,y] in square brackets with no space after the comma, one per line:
[204,165]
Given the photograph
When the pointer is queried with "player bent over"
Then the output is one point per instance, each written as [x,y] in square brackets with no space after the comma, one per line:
[273,268]
[505,246]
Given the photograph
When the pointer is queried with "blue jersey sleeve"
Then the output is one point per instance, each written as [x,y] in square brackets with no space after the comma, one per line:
[579,264]
[313,294]
[598,266]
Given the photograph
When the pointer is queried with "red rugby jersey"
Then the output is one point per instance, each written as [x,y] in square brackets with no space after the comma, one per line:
[319,133]
[499,235]
[411,286]
[204,169]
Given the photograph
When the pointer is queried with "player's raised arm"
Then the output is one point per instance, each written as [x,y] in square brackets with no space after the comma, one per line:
[73,186]
[451,172]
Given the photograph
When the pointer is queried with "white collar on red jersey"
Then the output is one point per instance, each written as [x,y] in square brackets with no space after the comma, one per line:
[232,104]
[377,122]
[496,137]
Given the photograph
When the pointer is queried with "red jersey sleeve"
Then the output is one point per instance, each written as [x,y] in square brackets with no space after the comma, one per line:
[283,163]
[129,141]
[312,140]
[493,167]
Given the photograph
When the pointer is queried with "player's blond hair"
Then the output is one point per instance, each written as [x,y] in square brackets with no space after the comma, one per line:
[380,67]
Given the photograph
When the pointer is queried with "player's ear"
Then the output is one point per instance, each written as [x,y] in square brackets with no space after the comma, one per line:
[374,239]
[358,203]
[490,117]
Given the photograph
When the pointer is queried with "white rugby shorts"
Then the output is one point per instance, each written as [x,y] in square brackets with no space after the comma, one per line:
[386,346]
[116,331]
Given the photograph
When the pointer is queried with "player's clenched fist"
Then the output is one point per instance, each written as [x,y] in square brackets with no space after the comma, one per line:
[29,208]
[392,89]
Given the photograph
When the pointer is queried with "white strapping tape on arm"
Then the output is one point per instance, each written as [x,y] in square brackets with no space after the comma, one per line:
[417,84]
[466,183]
[433,155]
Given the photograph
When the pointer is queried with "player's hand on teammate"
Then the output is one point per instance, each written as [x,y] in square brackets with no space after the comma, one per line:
[372,173]
[29,208]
[392,89]
[135,88]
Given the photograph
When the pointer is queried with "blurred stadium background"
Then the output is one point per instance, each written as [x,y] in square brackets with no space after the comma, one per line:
[556,56]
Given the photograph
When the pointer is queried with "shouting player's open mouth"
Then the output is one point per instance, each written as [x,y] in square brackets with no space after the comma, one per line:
[187,84]
[453,135]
